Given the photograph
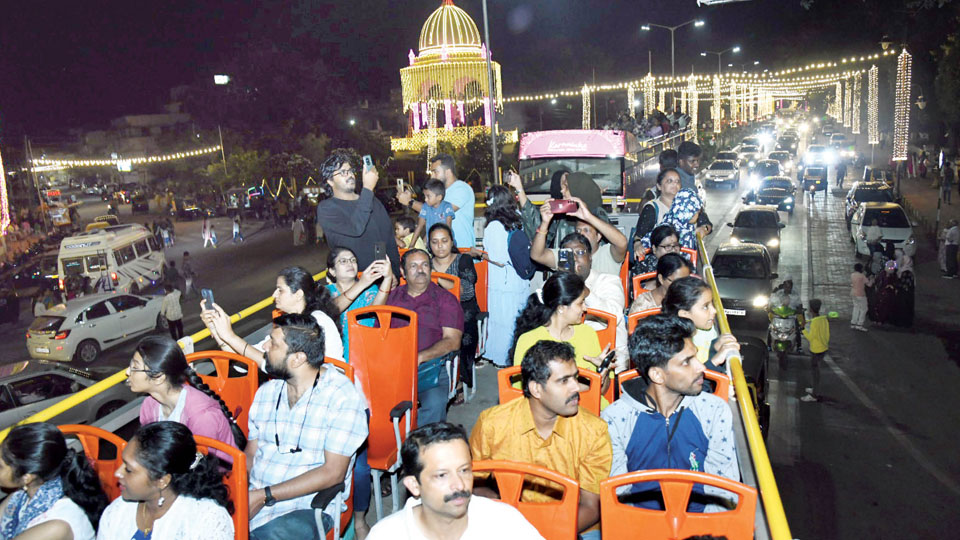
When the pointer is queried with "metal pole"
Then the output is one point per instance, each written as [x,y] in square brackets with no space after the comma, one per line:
[36,183]
[719,69]
[222,155]
[672,72]
[493,107]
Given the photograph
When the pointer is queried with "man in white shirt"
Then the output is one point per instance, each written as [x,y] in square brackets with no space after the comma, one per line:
[951,243]
[872,235]
[438,472]
[170,308]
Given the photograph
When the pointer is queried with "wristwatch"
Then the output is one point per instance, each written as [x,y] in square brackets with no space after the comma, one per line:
[268,499]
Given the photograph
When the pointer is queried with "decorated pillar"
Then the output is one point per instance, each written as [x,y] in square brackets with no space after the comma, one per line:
[585,95]
[873,91]
[901,111]
[855,117]
[715,110]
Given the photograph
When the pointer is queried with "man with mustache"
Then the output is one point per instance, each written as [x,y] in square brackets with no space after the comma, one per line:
[438,472]
[548,428]
[439,331]
[663,420]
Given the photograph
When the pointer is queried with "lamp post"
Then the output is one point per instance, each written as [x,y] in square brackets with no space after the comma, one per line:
[492,92]
[222,80]
[734,49]
[672,29]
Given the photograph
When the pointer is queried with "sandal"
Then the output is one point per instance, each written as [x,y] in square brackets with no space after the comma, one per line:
[458,399]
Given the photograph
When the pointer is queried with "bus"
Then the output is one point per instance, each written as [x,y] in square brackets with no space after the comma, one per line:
[124,258]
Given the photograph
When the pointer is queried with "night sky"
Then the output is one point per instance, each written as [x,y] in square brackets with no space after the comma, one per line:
[69,64]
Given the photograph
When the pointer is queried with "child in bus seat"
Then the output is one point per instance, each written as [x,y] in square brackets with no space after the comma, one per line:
[403,231]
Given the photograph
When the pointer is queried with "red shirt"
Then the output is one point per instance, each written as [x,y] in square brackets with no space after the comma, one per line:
[436,309]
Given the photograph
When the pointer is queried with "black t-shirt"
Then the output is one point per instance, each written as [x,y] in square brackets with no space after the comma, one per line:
[358,225]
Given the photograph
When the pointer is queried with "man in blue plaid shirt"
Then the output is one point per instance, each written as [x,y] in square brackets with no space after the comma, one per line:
[306,425]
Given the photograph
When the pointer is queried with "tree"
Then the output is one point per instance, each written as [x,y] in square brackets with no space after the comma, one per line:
[947,82]
[244,167]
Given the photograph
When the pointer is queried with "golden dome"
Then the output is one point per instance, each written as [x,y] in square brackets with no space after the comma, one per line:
[450,27]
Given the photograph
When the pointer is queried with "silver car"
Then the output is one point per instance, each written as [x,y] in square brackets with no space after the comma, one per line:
[28,387]
[743,274]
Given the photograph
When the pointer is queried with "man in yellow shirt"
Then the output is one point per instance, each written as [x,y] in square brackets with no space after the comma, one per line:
[819,337]
[548,428]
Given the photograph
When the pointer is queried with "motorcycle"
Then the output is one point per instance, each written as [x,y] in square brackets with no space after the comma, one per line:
[783,332]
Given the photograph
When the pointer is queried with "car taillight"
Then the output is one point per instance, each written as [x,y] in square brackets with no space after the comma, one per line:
[113,276]
[60,282]
[62,334]
[28,335]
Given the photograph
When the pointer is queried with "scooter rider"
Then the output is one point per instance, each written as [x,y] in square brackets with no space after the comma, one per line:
[786,296]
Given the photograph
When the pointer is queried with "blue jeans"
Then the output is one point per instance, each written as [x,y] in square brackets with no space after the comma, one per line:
[299,524]
[433,402]
[591,535]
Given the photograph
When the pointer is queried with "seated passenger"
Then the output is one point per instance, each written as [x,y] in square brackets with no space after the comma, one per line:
[663,240]
[168,490]
[296,292]
[439,331]
[350,291]
[438,473]
[691,298]
[306,424]
[159,369]
[670,268]
[403,229]
[548,428]
[57,493]
[648,425]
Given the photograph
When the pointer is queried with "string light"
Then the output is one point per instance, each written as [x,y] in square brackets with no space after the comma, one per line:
[693,105]
[734,106]
[648,94]
[855,120]
[135,161]
[661,100]
[630,97]
[901,112]
[585,94]
[717,105]
[847,103]
[4,202]
[873,131]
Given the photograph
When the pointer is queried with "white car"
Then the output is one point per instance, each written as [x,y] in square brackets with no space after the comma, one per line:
[83,327]
[894,225]
[722,171]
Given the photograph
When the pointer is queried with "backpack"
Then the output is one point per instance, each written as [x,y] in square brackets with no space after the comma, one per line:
[518,246]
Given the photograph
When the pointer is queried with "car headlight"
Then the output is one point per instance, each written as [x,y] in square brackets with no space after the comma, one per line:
[752,163]
[760,301]
[788,200]
[910,241]
[734,240]
[773,242]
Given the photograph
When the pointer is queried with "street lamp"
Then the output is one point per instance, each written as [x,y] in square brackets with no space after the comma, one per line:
[221,80]
[885,42]
[672,29]
[734,49]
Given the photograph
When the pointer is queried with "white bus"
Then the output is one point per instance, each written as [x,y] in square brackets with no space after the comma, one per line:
[123,258]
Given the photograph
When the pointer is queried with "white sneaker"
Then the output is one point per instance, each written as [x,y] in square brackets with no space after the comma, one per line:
[808,398]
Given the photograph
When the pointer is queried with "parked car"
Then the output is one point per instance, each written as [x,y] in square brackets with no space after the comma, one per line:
[722,171]
[92,323]
[778,191]
[877,174]
[758,225]
[893,222]
[862,192]
[28,387]
[744,278]
[140,204]
[814,179]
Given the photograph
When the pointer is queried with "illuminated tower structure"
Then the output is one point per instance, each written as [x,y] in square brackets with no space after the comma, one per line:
[446,93]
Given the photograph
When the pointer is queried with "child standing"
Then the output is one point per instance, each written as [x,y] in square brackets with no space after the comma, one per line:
[819,338]
[858,292]
[403,231]
[434,209]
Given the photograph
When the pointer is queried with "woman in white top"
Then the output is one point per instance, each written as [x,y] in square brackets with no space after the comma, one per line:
[58,494]
[168,490]
[296,292]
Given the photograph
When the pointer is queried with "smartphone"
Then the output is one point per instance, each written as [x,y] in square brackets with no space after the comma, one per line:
[379,251]
[565,260]
[561,206]
[400,185]
[207,295]
[367,163]
[606,361]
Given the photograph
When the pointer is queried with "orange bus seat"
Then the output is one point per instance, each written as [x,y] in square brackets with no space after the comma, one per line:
[589,398]
[619,521]
[393,352]
[638,283]
[236,482]
[625,278]
[234,379]
[608,335]
[555,520]
[692,254]
[721,382]
[90,438]
[435,277]
[321,499]
[483,267]
[483,318]
[634,318]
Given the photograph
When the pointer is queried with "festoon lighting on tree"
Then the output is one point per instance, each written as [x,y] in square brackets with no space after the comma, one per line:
[649,94]
[855,119]
[715,110]
[873,91]
[734,106]
[585,94]
[630,98]
[4,201]
[693,105]
[901,109]
[847,103]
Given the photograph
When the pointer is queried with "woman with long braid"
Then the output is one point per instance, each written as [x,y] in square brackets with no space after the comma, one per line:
[159,368]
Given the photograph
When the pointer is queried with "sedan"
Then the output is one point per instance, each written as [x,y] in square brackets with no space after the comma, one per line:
[743,275]
[722,172]
[893,223]
[29,387]
[764,168]
[758,225]
[778,191]
[749,154]
[89,324]
[727,154]
[865,192]
[785,159]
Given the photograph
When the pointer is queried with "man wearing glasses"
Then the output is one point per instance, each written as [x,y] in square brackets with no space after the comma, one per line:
[352,217]
[306,425]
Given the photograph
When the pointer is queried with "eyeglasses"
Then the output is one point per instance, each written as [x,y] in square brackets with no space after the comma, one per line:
[134,369]
[670,247]
[345,172]
[579,252]
[352,260]
[276,429]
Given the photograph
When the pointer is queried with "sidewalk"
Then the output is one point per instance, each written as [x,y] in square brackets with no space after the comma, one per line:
[920,201]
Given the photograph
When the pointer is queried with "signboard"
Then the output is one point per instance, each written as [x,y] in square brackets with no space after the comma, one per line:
[572,143]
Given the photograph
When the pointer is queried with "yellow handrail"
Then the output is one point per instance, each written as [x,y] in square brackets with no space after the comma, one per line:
[120,376]
[769,494]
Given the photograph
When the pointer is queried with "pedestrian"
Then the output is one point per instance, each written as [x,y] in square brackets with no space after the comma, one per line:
[171,274]
[819,338]
[858,283]
[841,173]
[205,231]
[213,236]
[924,163]
[947,186]
[237,234]
[951,244]
[189,274]
[298,232]
[170,309]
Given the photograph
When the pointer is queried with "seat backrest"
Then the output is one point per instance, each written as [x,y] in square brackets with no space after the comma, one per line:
[638,283]
[483,269]
[625,279]
[344,367]
[435,277]
[621,521]
[555,519]
[589,398]
[607,335]
[721,381]
[385,358]
[90,438]
[634,318]
[236,482]
[692,253]
[234,379]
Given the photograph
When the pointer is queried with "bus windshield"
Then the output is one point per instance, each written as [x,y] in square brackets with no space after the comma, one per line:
[606,172]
